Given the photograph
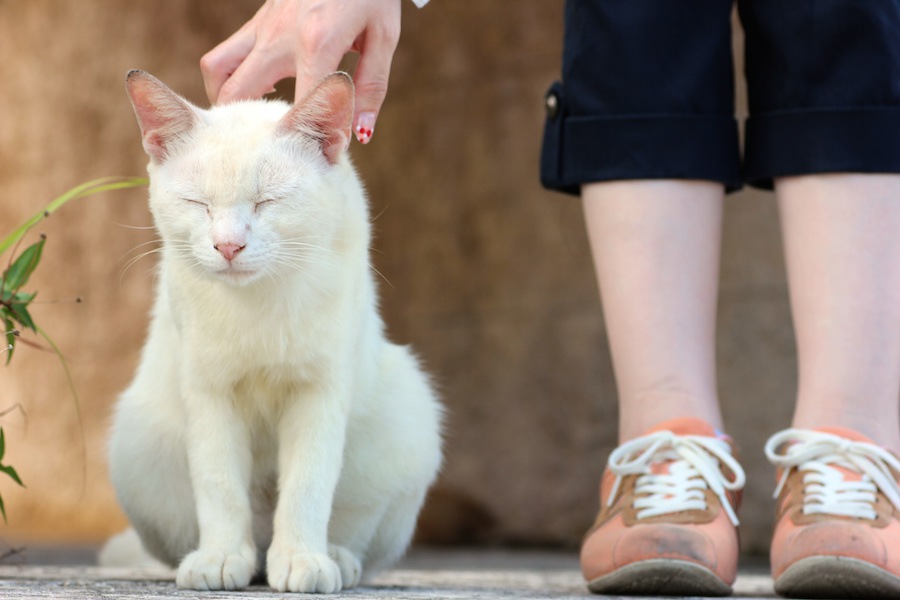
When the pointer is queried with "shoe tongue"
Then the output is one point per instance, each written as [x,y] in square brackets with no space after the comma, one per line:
[853,436]
[686,426]
[681,426]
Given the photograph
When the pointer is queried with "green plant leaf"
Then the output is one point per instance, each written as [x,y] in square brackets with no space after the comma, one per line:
[13,303]
[21,269]
[19,297]
[89,188]
[9,470]
[21,314]
[23,298]
[12,473]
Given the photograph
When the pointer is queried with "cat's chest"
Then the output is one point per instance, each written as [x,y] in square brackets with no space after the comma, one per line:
[275,340]
[269,388]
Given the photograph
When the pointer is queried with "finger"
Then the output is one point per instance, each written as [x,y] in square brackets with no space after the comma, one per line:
[314,65]
[371,80]
[256,76]
[218,64]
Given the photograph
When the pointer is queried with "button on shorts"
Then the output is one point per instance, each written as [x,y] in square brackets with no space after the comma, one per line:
[647,91]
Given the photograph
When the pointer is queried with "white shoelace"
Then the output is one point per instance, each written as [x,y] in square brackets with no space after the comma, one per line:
[817,454]
[694,468]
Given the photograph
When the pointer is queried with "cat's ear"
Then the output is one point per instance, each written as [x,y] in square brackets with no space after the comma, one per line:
[326,114]
[163,115]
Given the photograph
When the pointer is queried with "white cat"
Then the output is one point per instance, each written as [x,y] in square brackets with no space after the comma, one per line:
[270,423]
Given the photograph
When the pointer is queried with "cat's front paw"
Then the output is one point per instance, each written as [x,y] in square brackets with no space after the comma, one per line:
[303,572]
[213,570]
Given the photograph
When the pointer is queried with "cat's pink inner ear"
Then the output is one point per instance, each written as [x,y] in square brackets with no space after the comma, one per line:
[163,115]
[325,114]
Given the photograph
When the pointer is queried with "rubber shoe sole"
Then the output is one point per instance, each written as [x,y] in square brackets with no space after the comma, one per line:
[661,577]
[836,577]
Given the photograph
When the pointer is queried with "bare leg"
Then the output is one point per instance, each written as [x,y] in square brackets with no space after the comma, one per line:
[842,245]
[656,252]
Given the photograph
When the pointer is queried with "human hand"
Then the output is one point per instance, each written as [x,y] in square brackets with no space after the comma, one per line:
[307,39]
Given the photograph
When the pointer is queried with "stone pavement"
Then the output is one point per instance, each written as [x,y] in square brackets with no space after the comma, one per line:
[482,574]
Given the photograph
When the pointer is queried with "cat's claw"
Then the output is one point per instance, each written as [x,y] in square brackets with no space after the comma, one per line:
[303,572]
[212,570]
[349,565]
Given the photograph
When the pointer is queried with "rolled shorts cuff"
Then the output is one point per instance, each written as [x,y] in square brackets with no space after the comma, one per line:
[814,141]
[578,150]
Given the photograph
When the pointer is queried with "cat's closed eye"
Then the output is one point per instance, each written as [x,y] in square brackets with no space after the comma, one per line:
[264,201]
[195,202]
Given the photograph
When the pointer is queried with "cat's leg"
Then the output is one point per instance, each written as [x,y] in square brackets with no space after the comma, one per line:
[220,460]
[311,441]
[392,455]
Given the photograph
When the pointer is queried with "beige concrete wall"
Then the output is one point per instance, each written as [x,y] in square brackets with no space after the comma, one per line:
[490,275]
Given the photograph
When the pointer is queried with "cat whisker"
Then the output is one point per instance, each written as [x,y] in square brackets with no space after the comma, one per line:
[315,240]
[293,266]
[297,261]
[307,245]
[142,227]
[380,213]
[147,243]
[371,266]
[154,271]
[281,278]
[300,262]
[283,252]
[134,260]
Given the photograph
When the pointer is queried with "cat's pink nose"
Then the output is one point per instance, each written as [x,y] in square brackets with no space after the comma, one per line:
[229,251]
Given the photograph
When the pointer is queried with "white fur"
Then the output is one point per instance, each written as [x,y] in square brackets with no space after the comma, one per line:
[269,414]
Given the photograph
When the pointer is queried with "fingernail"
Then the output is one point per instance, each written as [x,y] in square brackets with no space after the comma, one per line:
[365,126]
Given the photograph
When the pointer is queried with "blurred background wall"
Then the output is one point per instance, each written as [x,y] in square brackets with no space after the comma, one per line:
[490,277]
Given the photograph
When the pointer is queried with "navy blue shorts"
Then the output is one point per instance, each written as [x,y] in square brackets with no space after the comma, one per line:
[647,91]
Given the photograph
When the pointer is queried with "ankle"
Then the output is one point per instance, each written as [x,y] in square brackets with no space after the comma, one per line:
[642,412]
[883,432]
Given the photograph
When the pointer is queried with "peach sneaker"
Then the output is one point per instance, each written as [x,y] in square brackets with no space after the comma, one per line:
[667,522]
[837,531]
